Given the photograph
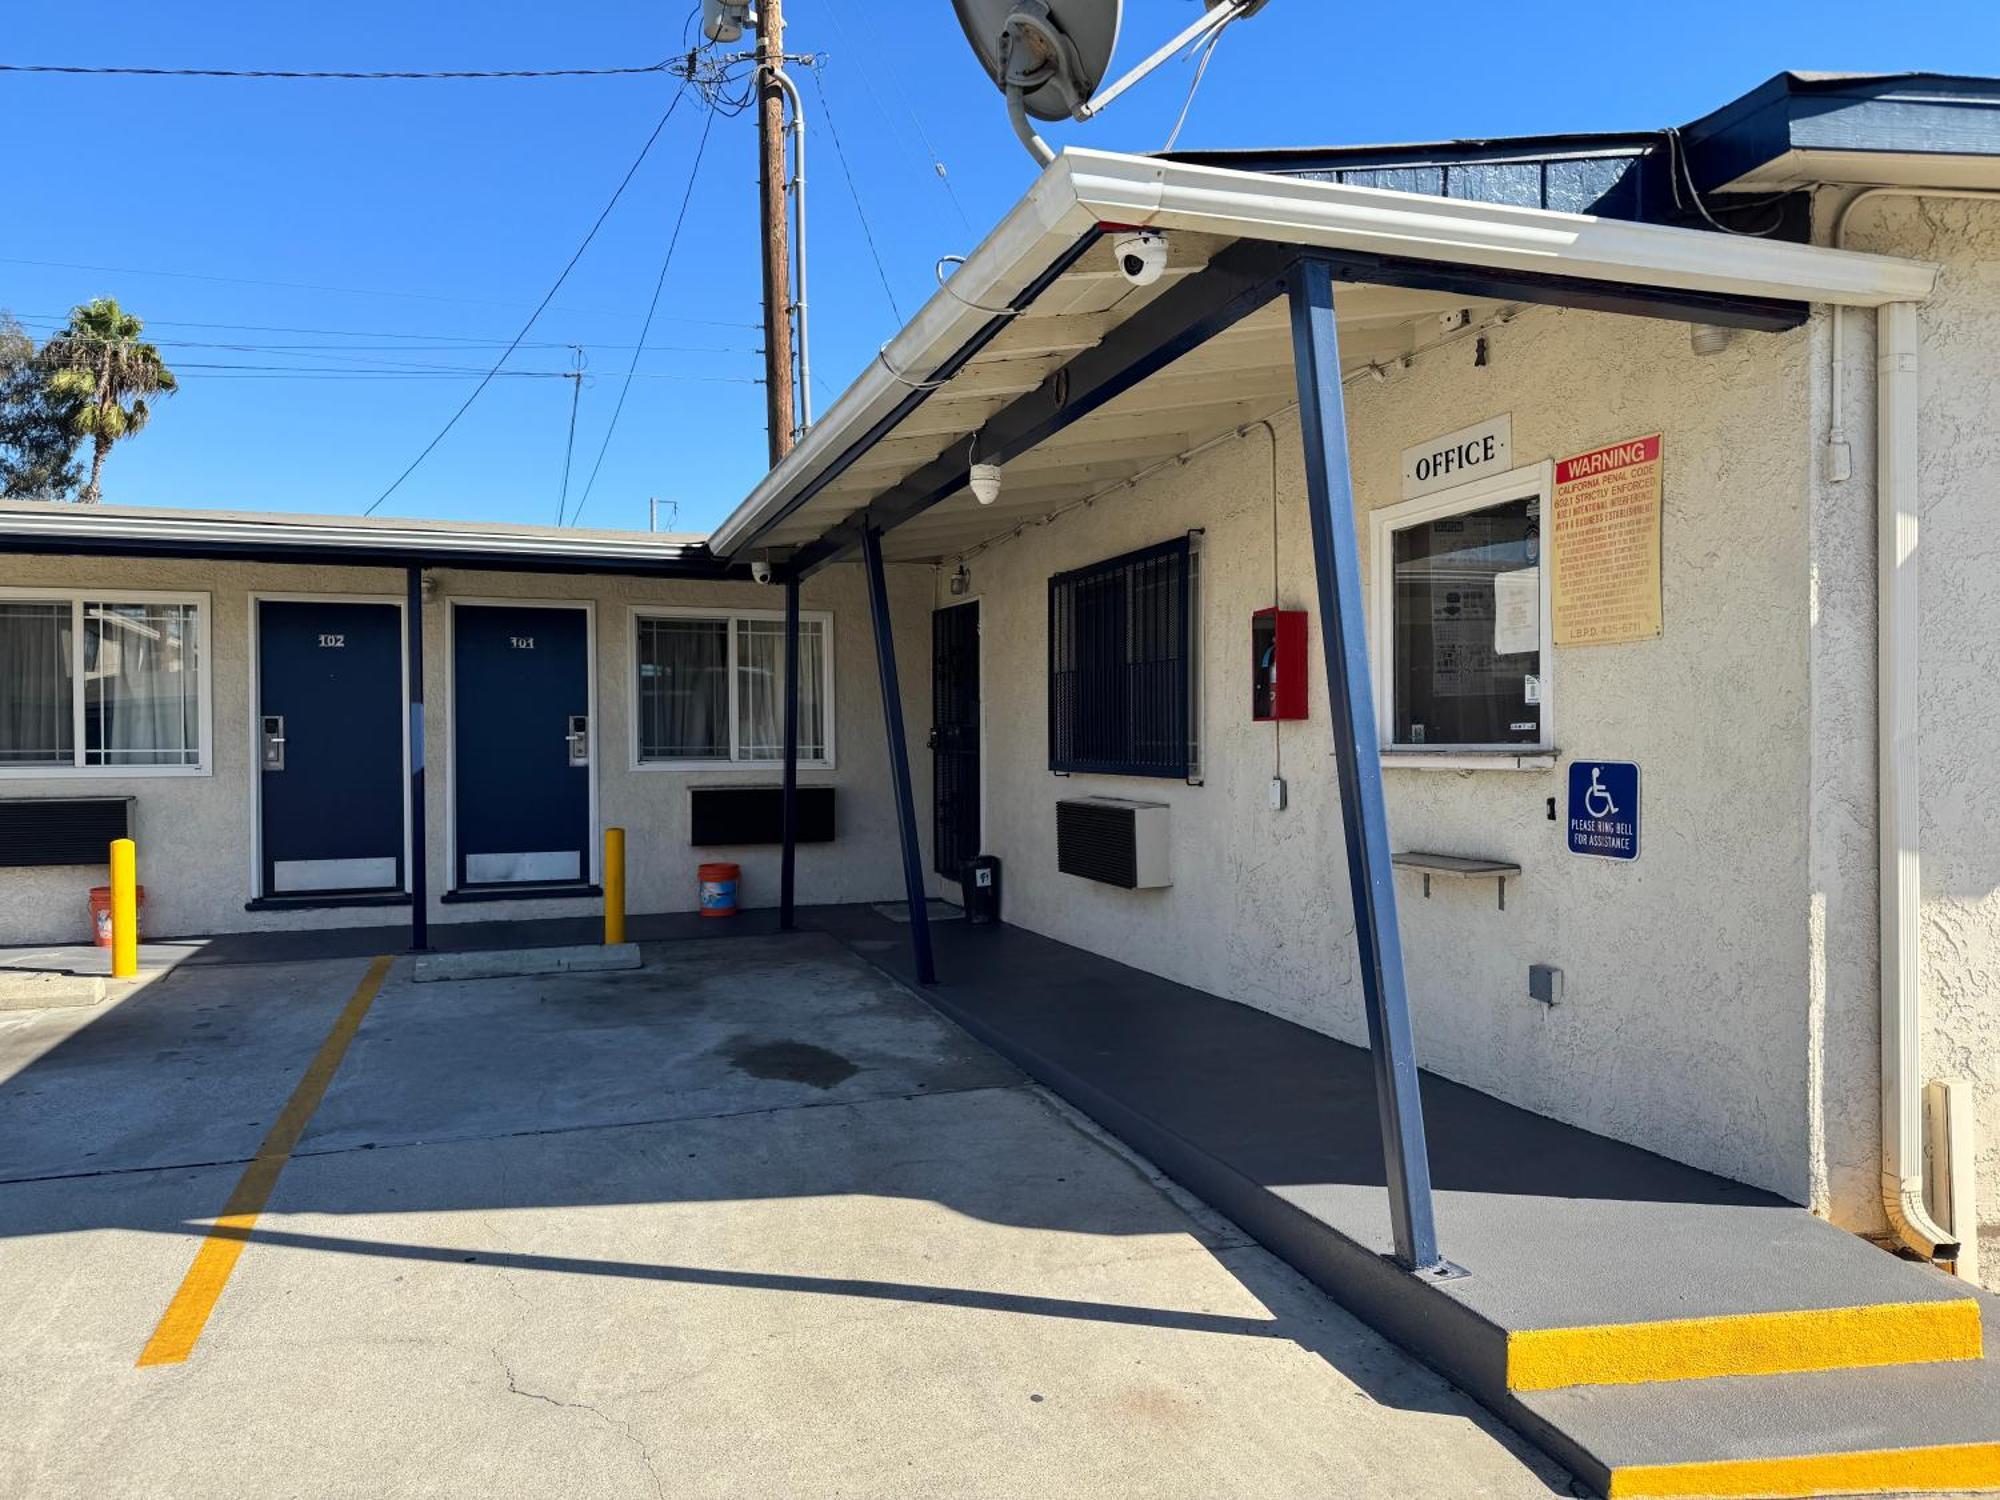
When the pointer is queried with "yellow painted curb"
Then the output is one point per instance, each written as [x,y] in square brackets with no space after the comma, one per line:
[1833,1338]
[1963,1466]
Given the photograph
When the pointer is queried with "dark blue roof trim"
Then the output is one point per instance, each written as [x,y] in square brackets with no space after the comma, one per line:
[1633,175]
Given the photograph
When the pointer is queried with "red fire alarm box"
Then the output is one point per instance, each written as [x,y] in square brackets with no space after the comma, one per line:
[1277,665]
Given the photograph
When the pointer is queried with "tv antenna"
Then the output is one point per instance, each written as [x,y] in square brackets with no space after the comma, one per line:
[1049,56]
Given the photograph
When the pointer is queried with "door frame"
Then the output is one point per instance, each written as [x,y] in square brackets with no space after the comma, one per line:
[985,760]
[256,599]
[593,838]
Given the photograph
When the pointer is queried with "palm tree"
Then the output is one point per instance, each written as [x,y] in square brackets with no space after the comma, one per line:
[100,362]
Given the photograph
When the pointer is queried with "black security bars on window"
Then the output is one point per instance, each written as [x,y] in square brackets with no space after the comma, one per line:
[1119,645]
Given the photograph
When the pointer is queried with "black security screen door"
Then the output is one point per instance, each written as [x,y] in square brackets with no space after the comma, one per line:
[1119,649]
[955,736]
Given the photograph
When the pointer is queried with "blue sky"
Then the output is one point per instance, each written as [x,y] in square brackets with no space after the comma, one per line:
[398,224]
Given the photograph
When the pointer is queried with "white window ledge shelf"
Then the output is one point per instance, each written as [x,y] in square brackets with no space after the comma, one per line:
[1404,759]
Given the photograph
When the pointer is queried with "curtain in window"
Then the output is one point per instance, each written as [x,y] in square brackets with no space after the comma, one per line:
[37,726]
[142,685]
[760,690]
[683,689]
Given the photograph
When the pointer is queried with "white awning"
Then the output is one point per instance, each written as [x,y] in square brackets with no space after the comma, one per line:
[895,418]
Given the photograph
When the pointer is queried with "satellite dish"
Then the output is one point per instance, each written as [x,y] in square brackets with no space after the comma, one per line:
[1055,51]
[1049,56]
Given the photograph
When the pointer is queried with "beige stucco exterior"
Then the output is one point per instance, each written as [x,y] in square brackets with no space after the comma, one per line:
[1722,993]
[1959,706]
[195,832]
[1714,712]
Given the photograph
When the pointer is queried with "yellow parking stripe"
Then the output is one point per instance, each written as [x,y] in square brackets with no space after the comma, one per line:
[174,1340]
[1831,1338]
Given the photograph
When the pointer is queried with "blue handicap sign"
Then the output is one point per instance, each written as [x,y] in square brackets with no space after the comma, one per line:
[1604,808]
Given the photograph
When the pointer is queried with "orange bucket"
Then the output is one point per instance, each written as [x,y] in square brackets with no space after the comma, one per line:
[718,889]
[100,912]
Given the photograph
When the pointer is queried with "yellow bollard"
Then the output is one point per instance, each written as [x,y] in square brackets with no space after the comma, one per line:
[614,886]
[124,909]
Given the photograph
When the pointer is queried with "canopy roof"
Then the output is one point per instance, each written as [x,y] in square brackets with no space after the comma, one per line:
[1020,355]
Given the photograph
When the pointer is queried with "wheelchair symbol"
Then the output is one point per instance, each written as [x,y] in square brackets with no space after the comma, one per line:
[1597,800]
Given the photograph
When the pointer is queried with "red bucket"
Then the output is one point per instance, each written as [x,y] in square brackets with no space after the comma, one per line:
[100,912]
[718,889]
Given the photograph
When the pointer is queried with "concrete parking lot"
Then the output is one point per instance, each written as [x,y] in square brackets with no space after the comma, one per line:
[750,1220]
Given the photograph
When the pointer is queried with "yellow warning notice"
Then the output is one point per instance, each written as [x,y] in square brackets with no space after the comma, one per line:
[1606,536]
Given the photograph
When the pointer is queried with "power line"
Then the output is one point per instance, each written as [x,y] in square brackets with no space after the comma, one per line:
[382,76]
[861,213]
[630,172]
[673,243]
[307,286]
[437,372]
[923,135]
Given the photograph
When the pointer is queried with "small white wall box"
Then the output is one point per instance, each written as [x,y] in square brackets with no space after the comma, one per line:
[1115,841]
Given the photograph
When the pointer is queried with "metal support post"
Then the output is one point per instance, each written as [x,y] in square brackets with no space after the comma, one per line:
[413,630]
[899,757]
[789,860]
[1357,751]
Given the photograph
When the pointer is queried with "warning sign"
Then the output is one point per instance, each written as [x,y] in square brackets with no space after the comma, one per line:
[1606,586]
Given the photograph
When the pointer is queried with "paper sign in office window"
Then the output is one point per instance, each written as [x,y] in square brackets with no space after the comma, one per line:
[1517,611]
[1606,510]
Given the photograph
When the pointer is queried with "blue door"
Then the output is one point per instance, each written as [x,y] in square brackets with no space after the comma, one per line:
[521,745]
[330,746]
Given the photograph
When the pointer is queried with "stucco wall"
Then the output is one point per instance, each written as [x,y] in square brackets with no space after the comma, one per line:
[1684,1026]
[1959,704]
[194,833]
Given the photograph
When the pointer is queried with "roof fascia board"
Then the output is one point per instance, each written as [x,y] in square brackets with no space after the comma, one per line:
[87,531]
[1334,216]
[1004,269]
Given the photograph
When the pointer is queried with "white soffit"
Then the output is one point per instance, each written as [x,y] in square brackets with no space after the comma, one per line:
[1206,209]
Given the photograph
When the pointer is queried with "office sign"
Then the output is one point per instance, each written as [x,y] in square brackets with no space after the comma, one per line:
[1606,528]
[1470,453]
[1604,809]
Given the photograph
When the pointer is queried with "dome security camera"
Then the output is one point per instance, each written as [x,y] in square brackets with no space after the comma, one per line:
[1141,256]
[760,571]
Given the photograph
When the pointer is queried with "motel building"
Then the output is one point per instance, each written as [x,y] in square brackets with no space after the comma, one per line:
[1527,610]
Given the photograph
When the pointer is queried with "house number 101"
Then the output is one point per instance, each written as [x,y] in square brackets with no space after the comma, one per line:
[521,642]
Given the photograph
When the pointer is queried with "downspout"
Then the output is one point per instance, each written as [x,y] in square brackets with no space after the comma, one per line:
[1899,344]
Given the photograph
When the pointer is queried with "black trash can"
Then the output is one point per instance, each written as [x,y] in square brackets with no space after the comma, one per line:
[980,878]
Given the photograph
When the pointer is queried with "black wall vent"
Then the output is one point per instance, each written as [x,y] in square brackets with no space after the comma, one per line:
[724,815]
[61,830]
[1113,841]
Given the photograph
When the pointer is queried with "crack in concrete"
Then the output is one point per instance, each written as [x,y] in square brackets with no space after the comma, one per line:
[616,1424]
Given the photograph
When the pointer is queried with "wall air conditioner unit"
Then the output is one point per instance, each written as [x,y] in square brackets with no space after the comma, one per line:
[1115,841]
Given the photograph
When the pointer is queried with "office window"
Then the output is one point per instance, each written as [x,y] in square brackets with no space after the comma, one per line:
[711,689]
[1466,614]
[102,683]
[1122,664]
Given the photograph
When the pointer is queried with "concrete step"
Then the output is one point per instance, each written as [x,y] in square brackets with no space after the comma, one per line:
[1920,1428]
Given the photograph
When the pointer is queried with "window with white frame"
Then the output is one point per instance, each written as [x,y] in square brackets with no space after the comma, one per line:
[711,688]
[1462,618]
[102,682]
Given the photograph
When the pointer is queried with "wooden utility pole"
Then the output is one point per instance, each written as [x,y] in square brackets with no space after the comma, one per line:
[777,251]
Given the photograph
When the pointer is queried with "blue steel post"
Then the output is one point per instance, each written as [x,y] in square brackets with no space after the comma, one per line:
[413,629]
[899,757]
[788,861]
[1350,697]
